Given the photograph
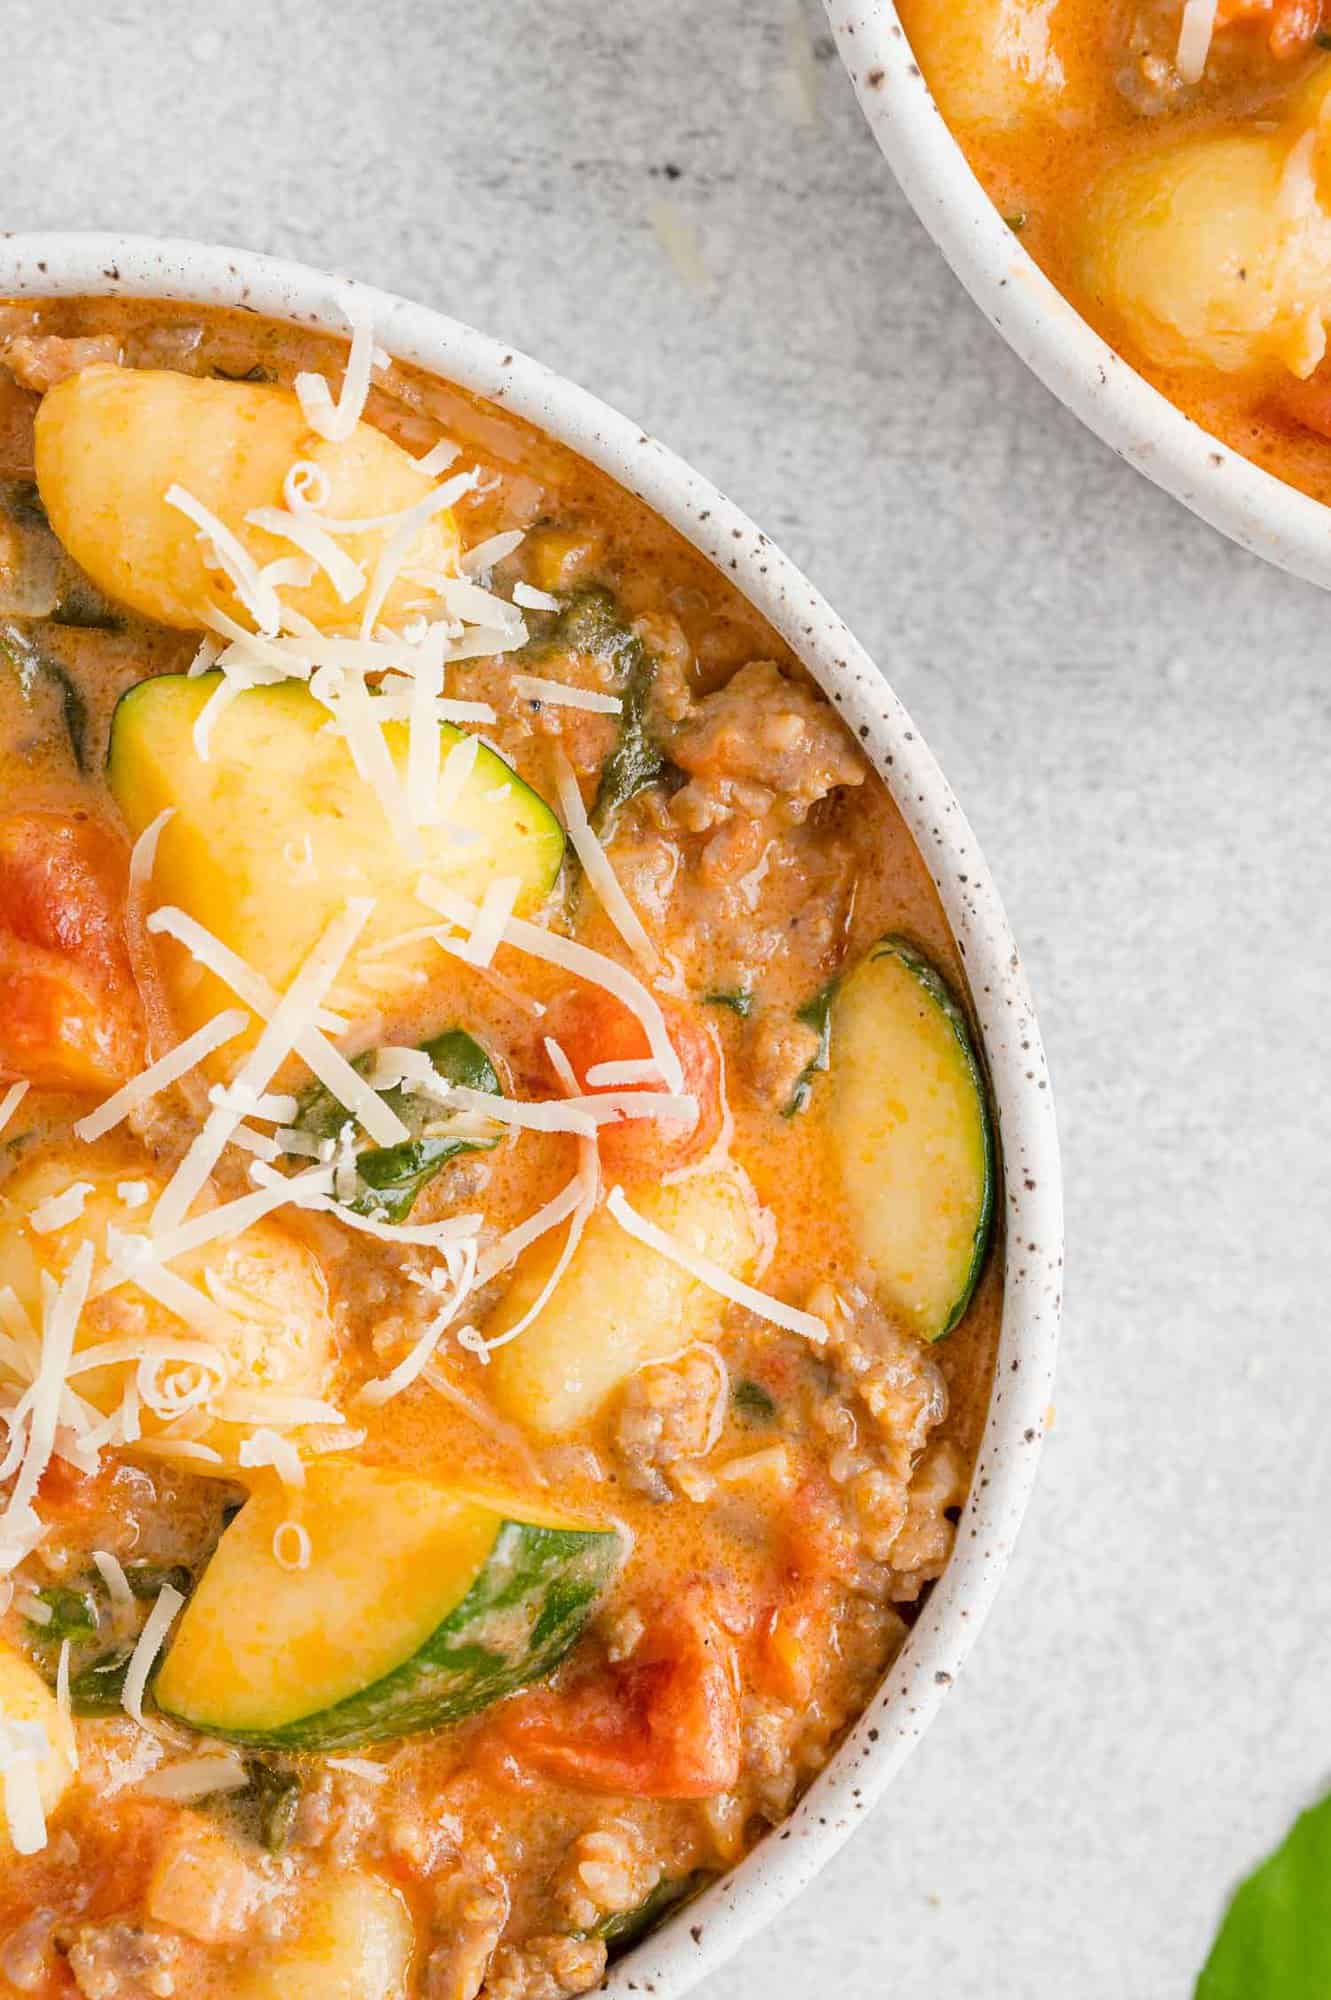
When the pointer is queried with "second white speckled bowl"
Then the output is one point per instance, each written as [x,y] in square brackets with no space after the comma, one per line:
[1252,506]
[699,1937]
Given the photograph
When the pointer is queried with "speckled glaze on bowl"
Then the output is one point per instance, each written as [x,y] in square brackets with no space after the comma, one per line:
[698,1939]
[1257,510]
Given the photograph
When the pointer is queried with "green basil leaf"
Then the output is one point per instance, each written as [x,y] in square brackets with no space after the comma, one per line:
[1275,1940]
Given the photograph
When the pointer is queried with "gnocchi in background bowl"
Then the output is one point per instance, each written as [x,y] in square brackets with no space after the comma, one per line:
[1139,198]
[516,1091]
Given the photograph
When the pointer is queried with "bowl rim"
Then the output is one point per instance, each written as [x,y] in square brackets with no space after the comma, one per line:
[1253,507]
[700,1937]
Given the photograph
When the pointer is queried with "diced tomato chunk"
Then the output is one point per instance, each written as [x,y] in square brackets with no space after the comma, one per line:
[794,1632]
[662,1725]
[70,1017]
[593,1027]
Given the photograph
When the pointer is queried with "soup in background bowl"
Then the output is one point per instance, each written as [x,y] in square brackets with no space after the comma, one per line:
[1136,197]
[516,1185]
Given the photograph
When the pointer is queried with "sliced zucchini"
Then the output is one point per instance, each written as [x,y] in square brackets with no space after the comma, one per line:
[909,1115]
[276,830]
[391,1177]
[419,1605]
[619,1304]
[111,443]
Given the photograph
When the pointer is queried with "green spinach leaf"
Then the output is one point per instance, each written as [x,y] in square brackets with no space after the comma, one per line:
[36,671]
[737,998]
[590,623]
[264,1810]
[99,1689]
[753,1401]
[73,1617]
[815,1014]
[391,1177]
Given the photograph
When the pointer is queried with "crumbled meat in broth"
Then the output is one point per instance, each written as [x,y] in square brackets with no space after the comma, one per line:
[118,1962]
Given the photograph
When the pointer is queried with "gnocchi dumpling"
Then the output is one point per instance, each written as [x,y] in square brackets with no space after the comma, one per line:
[991,66]
[1216,250]
[111,442]
[262,1292]
[355,1943]
[25,1699]
[619,1304]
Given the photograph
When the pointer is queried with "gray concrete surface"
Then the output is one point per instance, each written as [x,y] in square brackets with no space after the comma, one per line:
[679,205]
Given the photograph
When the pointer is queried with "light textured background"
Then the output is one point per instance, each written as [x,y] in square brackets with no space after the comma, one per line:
[1137,717]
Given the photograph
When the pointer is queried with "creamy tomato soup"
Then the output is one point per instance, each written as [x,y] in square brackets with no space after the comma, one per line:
[495,1189]
[1168,163]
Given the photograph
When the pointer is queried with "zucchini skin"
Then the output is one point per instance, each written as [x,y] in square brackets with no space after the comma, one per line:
[931,979]
[626,1928]
[551,1578]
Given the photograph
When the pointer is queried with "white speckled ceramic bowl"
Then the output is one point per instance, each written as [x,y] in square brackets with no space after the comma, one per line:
[703,1934]
[1259,511]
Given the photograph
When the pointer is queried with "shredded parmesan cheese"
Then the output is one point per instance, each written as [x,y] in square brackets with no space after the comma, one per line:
[113,1576]
[590,1181]
[346,575]
[423,730]
[563,694]
[359,1767]
[337,421]
[291,1546]
[495,910]
[602,1075]
[461,1272]
[1194,38]
[59,1210]
[533,599]
[196,1778]
[62,1305]
[713,1275]
[11,1101]
[484,555]
[258,597]
[265,1447]
[23,1749]
[158,1623]
[293,1015]
[398,546]
[438,458]
[597,868]
[160,1075]
[62,1693]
